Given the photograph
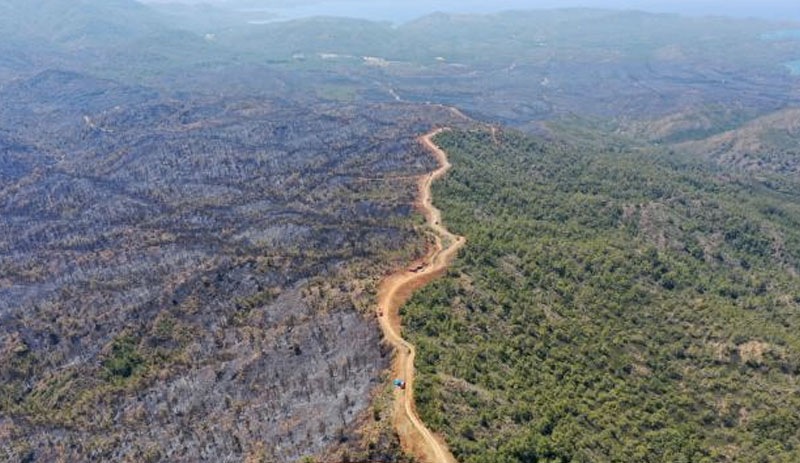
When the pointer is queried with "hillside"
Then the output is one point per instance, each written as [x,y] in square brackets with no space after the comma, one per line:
[186,280]
[196,214]
[767,144]
[611,305]
[79,23]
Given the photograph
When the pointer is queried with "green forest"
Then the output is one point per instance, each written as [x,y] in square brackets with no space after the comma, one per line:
[615,302]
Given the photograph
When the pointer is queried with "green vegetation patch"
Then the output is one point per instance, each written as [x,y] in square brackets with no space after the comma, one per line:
[124,358]
[624,304]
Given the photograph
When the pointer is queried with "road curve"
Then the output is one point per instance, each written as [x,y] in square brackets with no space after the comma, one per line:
[394,291]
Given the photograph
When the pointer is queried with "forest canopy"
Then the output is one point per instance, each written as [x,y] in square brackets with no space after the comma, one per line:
[621,303]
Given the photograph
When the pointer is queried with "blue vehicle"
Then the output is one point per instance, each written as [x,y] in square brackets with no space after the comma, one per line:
[399,383]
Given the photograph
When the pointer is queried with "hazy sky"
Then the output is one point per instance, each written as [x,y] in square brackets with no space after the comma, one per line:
[402,10]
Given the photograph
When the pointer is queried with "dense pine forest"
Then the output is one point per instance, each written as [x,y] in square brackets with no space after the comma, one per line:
[615,302]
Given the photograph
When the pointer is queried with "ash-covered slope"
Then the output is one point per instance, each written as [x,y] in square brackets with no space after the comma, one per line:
[186,280]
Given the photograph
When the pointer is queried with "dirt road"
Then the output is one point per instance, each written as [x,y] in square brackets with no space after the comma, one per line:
[393,292]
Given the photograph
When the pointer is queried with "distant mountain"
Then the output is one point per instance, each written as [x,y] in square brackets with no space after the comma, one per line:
[202,18]
[118,39]
[77,23]
[315,35]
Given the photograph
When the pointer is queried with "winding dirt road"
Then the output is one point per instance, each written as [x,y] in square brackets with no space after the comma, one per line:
[393,292]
